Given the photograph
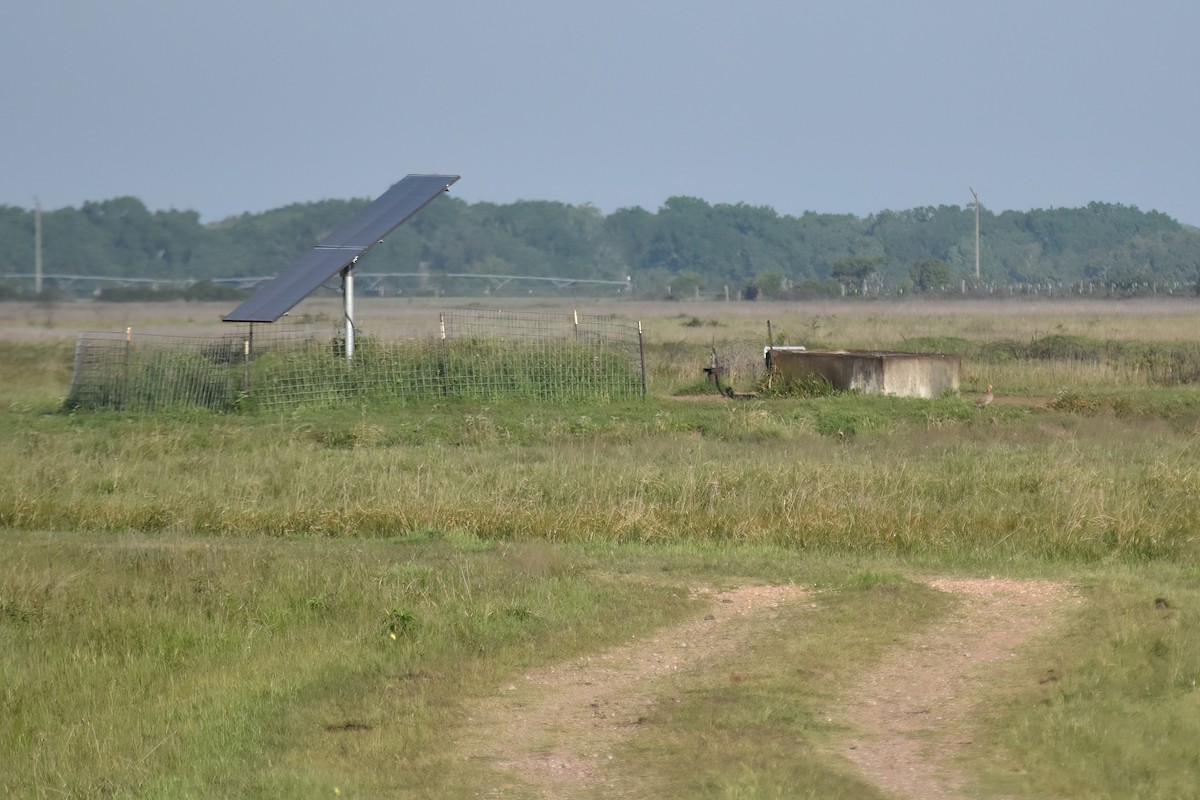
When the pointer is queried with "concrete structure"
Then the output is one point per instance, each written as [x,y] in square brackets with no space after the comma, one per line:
[870,371]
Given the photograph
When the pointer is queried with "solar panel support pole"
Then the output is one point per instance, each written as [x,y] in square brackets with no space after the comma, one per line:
[348,308]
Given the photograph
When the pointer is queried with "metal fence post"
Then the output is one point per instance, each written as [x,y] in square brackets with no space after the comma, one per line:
[445,355]
[642,357]
[246,366]
[125,377]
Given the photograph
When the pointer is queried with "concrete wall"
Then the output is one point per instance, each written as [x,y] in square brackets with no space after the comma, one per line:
[872,372]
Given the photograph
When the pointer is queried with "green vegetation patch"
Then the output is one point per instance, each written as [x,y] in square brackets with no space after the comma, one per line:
[188,667]
[870,475]
[1111,706]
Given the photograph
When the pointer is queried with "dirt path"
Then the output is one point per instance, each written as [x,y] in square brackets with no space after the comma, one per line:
[554,731]
[913,714]
[558,727]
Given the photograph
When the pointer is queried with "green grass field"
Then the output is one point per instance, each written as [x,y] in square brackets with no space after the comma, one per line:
[307,604]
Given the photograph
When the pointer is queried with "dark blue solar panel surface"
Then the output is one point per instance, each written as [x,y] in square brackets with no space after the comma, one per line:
[278,296]
[340,248]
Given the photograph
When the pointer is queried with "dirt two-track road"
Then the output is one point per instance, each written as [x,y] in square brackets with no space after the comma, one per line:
[557,730]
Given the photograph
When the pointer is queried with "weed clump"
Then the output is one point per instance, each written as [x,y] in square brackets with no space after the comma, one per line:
[696,322]
[808,386]
[399,622]
[1074,403]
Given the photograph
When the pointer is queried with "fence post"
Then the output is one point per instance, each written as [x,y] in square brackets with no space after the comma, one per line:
[642,357]
[445,355]
[770,356]
[125,377]
[246,366]
[75,370]
[249,355]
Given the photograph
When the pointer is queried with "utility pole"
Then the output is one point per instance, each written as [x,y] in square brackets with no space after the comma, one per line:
[976,232]
[37,246]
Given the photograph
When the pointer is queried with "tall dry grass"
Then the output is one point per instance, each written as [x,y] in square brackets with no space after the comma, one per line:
[840,474]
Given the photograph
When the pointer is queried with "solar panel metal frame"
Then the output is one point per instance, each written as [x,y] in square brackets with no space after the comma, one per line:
[341,248]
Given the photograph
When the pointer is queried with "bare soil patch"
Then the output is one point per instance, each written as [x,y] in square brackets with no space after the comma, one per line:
[912,716]
[555,730]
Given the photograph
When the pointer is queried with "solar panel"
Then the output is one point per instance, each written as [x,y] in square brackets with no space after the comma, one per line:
[341,248]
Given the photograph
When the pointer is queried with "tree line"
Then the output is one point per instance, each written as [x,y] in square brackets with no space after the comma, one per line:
[686,246]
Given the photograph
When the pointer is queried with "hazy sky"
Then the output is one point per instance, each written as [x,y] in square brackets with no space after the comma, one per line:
[226,106]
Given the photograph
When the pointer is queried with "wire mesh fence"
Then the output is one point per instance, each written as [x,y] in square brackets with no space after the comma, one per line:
[475,354]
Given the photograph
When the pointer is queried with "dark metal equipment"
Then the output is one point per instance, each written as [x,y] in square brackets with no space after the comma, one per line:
[340,250]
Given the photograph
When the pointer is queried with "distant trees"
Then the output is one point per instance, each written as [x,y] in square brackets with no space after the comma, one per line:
[684,246]
[686,284]
[204,290]
[857,274]
[930,275]
[769,284]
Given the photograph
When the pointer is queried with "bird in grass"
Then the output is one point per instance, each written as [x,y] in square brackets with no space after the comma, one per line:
[986,400]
